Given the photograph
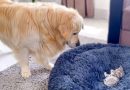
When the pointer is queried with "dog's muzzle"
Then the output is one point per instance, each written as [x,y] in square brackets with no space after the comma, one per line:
[72,45]
[78,44]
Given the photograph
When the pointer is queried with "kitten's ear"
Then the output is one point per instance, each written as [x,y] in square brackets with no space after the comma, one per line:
[105,74]
[120,68]
[112,71]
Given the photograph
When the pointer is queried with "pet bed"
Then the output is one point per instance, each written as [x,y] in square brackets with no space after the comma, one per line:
[83,68]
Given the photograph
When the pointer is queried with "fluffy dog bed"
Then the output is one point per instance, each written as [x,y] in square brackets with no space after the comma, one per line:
[83,68]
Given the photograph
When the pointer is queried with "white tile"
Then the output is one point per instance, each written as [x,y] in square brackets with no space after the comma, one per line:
[6,57]
[95,28]
[6,61]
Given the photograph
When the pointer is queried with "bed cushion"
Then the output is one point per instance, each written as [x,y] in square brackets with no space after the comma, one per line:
[83,68]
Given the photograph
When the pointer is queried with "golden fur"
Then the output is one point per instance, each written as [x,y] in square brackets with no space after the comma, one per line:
[41,30]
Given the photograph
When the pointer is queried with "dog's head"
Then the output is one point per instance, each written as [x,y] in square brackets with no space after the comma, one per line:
[70,27]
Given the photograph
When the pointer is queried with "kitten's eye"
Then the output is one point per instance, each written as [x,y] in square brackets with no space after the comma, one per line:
[75,33]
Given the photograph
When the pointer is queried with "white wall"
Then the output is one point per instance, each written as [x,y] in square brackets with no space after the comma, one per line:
[102,9]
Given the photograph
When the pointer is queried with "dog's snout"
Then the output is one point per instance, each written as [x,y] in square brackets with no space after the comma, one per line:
[78,44]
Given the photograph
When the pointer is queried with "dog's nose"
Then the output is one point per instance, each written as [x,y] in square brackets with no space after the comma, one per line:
[78,44]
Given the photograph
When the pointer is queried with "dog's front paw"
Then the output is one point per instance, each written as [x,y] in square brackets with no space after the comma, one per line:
[49,67]
[26,74]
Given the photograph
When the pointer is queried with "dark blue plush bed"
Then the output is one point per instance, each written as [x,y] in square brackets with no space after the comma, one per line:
[83,68]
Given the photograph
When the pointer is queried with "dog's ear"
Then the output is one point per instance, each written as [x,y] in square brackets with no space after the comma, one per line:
[63,31]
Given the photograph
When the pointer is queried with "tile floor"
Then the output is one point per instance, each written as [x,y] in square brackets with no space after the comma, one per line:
[97,29]
[6,57]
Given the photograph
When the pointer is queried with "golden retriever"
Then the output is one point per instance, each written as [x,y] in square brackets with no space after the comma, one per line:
[41,30]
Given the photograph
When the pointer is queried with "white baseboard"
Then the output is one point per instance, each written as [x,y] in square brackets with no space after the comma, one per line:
[57,1]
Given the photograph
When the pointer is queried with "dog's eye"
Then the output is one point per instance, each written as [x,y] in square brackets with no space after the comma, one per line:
[75,33]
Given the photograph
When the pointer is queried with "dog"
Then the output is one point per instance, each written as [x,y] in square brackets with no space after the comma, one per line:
[41,30]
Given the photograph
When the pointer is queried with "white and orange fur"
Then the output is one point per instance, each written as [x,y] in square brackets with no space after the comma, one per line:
[40,30]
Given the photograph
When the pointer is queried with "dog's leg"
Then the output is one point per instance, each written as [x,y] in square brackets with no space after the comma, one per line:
[22,56]
[47,64]
[43,61]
